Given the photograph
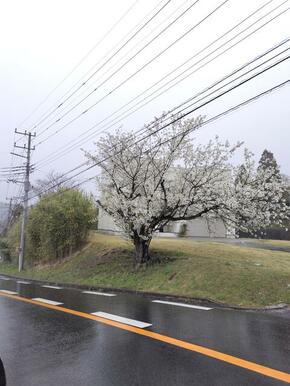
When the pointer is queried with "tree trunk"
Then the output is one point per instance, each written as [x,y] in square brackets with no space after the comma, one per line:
[142,256]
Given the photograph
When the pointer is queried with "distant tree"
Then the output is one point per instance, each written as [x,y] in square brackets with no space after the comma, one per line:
[13,215]
[165,178]
[16,212]
[54,181]
[13,237]
[273,230]
[268,161]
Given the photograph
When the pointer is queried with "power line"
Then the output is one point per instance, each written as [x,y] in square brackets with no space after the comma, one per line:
[187,75]
[12,158]
[264,93]
[224,85]
[59,101]
[10,168]
[81,61]
[240,76]
[188,112]
[136,72]
[56,154]
[216,117]
[83,92]
[102,65]
[60,129]
[209,101]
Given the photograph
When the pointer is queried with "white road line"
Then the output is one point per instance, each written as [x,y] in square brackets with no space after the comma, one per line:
[121,319]
[47,301]
[97,293]
[182,305]
[23,282]
[4,278]
[51,286]
[9,292]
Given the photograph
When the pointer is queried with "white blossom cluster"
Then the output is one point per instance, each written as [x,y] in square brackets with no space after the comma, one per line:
[167,177]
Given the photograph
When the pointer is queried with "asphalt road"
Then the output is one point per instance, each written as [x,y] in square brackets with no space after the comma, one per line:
[64,344]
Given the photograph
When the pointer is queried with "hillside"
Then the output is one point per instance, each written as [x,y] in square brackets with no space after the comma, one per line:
[228,273]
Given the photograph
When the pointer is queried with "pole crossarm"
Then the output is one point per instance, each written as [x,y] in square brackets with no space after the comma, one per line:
[18,155]
[25,133]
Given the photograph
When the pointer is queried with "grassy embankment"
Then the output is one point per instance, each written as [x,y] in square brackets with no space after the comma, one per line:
[227,273]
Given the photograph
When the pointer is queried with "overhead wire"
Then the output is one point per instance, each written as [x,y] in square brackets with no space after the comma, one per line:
[11,168]
[135,73]
[76,142]
[83,92]
[224,85]
[211,100]
[125,63]
[12,159]
[67,112]
[210,120]
[102,65]
[198,107]
[81,60]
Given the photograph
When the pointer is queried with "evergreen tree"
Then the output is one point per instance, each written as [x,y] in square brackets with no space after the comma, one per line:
[268,161]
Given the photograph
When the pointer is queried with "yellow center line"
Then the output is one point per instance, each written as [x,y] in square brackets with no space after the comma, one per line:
[266,371]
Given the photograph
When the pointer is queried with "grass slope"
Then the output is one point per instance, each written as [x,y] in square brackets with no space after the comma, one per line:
[227,273]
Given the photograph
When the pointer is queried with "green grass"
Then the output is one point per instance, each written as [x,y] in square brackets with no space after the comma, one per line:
[227,273]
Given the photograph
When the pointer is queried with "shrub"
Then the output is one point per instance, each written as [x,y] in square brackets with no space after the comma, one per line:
[4,250]
[59,223]
[182,230]
[13,239]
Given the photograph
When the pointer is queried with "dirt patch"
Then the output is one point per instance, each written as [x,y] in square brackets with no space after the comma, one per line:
[94,260]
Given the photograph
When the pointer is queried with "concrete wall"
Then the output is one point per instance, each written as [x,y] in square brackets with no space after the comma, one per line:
[195,228]
[200,228]
[106,222]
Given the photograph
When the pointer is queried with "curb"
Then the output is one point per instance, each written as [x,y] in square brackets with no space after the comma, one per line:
[185,299]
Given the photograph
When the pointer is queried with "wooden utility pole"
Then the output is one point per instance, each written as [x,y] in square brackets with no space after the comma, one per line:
[28,149]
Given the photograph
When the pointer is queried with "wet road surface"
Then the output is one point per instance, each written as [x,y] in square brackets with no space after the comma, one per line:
[59,344]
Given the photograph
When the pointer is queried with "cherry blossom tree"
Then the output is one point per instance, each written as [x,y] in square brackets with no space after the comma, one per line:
[163,176]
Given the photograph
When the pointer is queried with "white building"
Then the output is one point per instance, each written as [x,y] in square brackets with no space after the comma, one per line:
[193,228]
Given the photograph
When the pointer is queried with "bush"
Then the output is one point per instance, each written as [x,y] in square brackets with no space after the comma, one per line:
[59,223]
[4,250]
[182,230]
[13,239]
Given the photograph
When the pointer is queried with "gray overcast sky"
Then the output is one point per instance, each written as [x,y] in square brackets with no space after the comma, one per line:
[41,42]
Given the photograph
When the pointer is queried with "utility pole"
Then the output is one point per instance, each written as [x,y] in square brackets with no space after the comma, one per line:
[28,149]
